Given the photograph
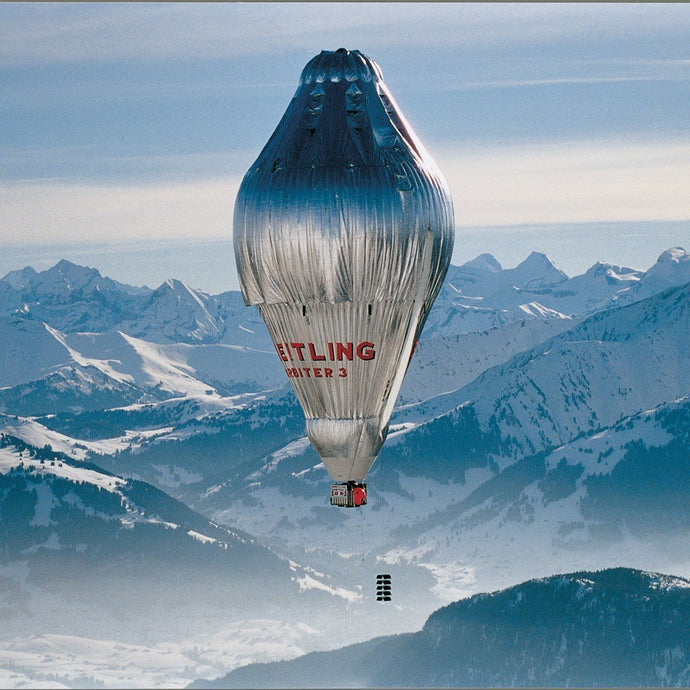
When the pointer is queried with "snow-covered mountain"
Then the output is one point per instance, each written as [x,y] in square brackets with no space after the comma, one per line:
[176,313]
[45,371]
[477,295]
[447,362]
[672,268]
[481,294]
[553,448]
[119,553]
[440,501]
[110,580]
[542,427]
[71,298]
[611,365]
[499,311]
[74,299]
[474,402]
[30,351]
[615,628]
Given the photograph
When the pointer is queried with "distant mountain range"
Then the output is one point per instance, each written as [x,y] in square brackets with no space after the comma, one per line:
[614,628]
[75,299]
[152,446]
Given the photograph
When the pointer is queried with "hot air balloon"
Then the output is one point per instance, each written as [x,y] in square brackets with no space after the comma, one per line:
[343,233]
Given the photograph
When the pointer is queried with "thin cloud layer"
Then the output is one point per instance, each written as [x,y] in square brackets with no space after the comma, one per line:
[588,181]
[67,32]
[496,186]
[54,212]
[135,120]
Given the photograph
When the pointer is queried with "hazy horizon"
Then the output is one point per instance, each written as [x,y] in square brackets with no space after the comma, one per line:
[209,264]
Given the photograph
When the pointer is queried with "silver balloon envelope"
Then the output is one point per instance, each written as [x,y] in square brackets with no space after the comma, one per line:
[343,233]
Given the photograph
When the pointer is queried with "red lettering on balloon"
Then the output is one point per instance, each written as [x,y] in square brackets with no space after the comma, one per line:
[334,352]
[365,350]
[343,351]
[298,347]
[314,356]
[281,352]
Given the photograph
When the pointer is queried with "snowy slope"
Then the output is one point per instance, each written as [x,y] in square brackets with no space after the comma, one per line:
[70,389]
[597,288]
[174,312]
[445,363]
[43,370]
[40,373]
[30,350]
[45,660]
[224,439]
[130,552]
[518,456]
[561,631]
[672,268]
[481,294]
[612,365]
[614,496]
[617,495]
[180,368]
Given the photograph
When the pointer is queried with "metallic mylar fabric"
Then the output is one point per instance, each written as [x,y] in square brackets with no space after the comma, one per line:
[343,233]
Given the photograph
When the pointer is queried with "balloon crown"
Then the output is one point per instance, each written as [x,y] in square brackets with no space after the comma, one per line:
[340,65]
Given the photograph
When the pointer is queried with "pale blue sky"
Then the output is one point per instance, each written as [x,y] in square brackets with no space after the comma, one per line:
[127,122]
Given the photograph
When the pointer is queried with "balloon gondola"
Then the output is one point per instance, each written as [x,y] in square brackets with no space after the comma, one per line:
[343,233]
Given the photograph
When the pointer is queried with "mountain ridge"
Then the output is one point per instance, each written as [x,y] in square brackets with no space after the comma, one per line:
[200,317]
[76,527]
[558,631]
